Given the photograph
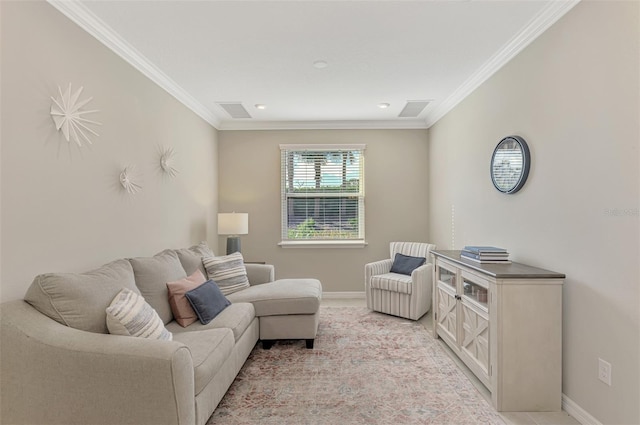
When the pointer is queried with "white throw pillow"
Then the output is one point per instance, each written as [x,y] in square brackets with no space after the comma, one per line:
[130,315]
[228,272]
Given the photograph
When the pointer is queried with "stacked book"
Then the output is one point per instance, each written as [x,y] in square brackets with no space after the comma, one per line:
[485,254]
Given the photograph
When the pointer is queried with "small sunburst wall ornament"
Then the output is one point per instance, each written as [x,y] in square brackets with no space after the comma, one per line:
[68,117]
[167,158]
[128,181]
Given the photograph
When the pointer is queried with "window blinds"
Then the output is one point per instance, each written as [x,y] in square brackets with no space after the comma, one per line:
[322,192]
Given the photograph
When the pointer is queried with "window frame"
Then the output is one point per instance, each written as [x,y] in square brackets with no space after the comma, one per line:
[285,242]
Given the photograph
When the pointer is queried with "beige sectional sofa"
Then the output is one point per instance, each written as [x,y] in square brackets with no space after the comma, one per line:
[59,364]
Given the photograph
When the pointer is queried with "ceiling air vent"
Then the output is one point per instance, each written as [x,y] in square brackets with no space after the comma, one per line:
[413,108]
[235,109]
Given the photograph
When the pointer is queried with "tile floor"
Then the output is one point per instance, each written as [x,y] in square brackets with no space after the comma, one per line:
[510,418]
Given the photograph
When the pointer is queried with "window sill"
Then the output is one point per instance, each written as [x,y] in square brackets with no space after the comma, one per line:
[322,244]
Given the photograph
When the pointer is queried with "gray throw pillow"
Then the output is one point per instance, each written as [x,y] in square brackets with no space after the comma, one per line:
[405,264]
[152,275]
[79,300]
[207,301]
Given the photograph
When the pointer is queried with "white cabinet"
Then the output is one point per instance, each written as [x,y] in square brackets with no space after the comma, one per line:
[504,321]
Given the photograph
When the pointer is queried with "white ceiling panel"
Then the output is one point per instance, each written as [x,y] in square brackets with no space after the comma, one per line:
[263,52]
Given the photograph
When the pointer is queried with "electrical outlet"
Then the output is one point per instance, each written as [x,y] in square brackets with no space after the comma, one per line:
[604,371]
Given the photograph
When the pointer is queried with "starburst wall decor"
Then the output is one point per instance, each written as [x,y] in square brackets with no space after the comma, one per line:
[128,180]
[68,117]
[167,162]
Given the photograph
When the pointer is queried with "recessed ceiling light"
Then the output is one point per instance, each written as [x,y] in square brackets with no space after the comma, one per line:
[383,105]
[261,106]
[320,64]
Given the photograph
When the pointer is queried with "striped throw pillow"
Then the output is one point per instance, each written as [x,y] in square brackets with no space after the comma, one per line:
[228,272]
[130,315]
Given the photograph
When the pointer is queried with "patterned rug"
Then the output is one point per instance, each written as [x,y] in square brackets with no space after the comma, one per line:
[366,368]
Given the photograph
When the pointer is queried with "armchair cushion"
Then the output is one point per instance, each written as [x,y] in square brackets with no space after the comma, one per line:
[393,282]
[405,264]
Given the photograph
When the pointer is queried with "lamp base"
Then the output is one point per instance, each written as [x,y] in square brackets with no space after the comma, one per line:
[233,244]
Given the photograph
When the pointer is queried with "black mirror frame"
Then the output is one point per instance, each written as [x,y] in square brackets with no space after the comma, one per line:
[526,164]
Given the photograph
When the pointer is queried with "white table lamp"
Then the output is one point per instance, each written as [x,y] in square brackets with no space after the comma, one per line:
[232,225]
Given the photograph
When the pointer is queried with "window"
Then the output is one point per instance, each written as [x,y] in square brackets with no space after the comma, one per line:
[322,195]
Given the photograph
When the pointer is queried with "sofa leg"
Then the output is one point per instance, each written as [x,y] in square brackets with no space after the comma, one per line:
[310,344]
[267,344]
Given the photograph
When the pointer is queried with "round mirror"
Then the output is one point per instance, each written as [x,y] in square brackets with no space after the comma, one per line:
[510,164]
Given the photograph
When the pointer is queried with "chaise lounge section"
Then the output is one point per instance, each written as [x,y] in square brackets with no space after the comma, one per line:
[61,366]
[287,308]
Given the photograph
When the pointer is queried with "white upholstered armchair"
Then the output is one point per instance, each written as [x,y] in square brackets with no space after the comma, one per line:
[398,294]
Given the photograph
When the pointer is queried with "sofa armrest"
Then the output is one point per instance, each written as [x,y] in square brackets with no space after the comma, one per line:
[424,273]
[54,374]
[422,278]
[372,269]
[260,273]
[375,268]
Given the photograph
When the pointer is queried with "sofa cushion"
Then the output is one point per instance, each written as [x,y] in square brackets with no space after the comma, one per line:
[207,301]
[191,258]
[237,317]
[180,306]
[209,350]
[405,264]
[130,315]
[152,275]
[392,282]
[228,272]
[79,300]
[283,296]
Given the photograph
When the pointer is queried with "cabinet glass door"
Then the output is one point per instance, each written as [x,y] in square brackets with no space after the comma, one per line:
[475,292]
[447,277]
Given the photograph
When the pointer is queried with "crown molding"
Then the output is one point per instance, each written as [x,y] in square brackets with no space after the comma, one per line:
[324,125]
[539,24]
[85,19]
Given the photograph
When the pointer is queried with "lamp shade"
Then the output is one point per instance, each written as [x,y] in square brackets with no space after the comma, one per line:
[233,223]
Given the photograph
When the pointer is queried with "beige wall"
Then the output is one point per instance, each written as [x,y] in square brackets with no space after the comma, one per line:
[573,95]
[395,199]
[62,208]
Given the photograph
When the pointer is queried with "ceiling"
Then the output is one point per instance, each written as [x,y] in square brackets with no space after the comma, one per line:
[263,52]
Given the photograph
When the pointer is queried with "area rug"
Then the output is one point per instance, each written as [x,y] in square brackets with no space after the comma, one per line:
[366,368]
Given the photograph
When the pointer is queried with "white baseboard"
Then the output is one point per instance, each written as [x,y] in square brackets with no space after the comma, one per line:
[346,295]
[578,413]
